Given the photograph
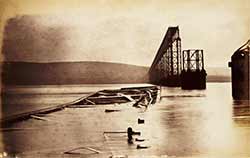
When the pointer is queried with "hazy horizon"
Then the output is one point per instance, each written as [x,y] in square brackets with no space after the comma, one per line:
[40,62]
[121,32]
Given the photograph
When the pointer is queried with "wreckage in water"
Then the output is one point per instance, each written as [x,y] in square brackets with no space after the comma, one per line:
[134,95]
[123,95]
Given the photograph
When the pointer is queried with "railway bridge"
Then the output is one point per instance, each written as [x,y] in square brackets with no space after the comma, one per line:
[174,68]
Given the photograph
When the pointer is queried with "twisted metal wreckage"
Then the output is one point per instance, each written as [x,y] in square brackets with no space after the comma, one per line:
[137,96]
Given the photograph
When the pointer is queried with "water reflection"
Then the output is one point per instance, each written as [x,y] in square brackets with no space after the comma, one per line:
[184,123]
[213,125]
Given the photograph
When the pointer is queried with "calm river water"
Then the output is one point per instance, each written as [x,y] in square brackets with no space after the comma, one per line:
[205,123]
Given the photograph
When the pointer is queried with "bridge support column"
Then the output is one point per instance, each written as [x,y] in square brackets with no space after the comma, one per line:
[193,75]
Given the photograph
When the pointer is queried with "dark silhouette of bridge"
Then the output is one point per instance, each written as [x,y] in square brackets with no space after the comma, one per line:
[174,68]
[166,67]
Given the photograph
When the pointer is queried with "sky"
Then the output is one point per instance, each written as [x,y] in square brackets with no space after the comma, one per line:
[123,31]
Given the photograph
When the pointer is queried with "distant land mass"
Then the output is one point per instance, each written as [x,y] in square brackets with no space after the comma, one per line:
[28,73]
[218,74]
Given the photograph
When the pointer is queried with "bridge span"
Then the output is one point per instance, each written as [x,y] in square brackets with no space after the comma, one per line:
[174,68]
[166,67]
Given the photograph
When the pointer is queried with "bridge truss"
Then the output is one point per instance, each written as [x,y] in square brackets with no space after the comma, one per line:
[166,67]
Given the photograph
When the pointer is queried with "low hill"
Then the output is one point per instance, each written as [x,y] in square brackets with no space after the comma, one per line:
[28,73]
[218,74]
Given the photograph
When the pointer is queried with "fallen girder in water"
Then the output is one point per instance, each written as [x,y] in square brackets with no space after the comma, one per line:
[136,95]
[123,95]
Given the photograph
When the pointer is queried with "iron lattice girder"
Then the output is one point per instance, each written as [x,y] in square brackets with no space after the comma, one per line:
[193,59]
[168,57]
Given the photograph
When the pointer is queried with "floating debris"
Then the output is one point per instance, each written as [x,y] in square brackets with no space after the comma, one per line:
[141,121]
[130,134]
[139,139]
[77,150]
[111,110]
[118,156]
[139,146]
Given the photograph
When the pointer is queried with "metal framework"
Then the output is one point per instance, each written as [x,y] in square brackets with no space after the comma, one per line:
[192,60]
[166,67]
[193,75]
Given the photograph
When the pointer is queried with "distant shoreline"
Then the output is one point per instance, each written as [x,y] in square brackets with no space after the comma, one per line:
[86,72]
[40,85]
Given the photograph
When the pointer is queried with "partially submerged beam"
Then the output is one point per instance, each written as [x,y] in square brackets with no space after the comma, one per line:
[123,95]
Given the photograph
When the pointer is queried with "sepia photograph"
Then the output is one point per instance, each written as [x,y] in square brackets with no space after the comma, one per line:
[125,78]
